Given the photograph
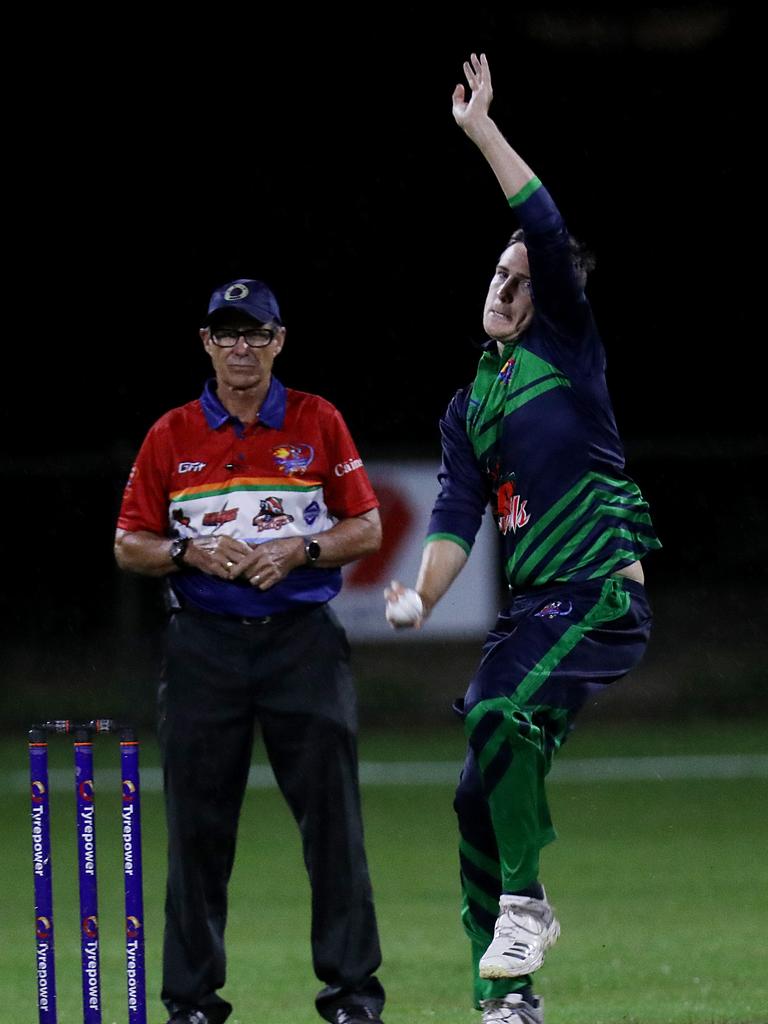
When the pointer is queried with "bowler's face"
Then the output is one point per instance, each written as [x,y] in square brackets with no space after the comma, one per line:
[508,305]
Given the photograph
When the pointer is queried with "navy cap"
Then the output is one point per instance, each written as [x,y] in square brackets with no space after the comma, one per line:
[247,296]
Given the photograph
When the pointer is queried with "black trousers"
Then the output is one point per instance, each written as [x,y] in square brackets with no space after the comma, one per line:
[291,675]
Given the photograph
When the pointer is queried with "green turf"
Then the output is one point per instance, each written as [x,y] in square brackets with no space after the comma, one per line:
[660,886]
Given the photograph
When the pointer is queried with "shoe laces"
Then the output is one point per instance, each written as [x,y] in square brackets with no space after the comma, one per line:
[355,1016]
[517,917]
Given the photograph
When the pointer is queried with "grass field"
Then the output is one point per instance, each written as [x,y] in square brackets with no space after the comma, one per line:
[661,886]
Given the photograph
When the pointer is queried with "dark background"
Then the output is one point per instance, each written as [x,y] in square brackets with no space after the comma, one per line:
[153,161]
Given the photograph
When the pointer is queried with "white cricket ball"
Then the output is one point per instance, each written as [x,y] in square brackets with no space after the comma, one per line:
[406,610]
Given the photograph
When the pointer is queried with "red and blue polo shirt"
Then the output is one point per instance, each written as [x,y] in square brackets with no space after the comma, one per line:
[293,473]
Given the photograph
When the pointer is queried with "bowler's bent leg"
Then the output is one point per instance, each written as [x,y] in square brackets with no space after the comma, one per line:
[539,666]
[480,880]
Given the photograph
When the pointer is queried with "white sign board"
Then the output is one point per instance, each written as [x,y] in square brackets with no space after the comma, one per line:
[407,492]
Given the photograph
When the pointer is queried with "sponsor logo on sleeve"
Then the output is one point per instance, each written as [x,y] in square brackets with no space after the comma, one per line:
[191,467]
[341,468]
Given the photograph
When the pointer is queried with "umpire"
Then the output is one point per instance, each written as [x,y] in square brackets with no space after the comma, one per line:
[248,500]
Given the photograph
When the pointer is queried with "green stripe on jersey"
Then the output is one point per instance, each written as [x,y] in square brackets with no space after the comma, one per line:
[238,488]
[449,536]
[553,549]
[496,393]
[531,391]
[611,502]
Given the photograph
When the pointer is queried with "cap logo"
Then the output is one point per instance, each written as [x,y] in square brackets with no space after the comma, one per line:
[236,293]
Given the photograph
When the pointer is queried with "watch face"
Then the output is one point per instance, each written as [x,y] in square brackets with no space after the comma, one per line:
[178,547]
[313,551]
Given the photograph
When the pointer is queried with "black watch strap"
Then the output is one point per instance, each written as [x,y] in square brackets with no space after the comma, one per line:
[177,551]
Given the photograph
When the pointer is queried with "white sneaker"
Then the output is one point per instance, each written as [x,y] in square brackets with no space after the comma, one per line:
[525,929]
[512,1009]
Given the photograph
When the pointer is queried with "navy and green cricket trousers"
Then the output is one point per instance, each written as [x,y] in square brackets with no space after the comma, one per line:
[290,675]
[549,652]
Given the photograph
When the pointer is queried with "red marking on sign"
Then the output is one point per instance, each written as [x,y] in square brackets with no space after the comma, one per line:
[396,521]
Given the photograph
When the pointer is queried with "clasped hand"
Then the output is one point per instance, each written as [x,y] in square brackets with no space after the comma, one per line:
[261,565]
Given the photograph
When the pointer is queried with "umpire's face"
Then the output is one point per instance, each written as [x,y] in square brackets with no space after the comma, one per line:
[242,351]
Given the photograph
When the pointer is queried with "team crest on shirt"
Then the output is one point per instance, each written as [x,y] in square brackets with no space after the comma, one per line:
[553,609]
[506,371]
[293,459]
[511,513]
[271,515]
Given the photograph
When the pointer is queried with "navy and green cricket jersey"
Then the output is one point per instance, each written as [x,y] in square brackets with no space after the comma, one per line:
[536,433]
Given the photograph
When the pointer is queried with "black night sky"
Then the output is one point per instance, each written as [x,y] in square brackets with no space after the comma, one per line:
[322,156]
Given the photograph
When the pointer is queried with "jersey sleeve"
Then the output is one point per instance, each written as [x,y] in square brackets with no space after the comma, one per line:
[348,490]
[558,296]
[464,488]
[145,499]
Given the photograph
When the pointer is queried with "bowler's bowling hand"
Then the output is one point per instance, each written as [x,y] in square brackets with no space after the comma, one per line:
[404,607]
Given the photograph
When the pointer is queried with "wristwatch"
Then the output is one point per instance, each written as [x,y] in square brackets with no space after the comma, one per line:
[177,551]
[311,551]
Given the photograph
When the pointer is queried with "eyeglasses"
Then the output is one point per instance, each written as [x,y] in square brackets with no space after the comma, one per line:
[254,337]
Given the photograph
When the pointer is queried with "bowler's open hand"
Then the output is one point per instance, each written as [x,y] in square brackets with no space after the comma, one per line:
[468,114]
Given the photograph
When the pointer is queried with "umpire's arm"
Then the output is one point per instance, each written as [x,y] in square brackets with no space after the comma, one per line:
[349,539]
[263,565]
[149,554]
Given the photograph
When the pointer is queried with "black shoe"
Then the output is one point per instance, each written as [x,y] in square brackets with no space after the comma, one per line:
[189,1017]
[356,1015]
